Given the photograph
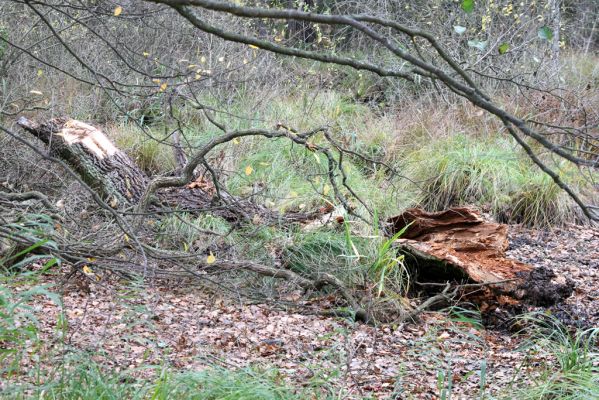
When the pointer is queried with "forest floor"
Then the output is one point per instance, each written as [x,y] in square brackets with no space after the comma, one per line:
[189,328]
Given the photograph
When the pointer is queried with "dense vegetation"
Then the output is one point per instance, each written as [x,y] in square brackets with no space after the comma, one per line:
[351,110]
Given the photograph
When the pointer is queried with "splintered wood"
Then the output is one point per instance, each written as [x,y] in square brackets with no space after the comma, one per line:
[458,245]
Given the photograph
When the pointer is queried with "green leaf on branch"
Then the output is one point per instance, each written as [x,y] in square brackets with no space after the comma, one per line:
[459,29]
[545,33]
[468,6]
[479,44]
[503,48]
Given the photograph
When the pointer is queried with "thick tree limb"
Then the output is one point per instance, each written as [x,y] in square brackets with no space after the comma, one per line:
[456,79]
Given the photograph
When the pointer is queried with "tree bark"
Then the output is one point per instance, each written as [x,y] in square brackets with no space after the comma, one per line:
[458,245]
[116,177]
[93,156]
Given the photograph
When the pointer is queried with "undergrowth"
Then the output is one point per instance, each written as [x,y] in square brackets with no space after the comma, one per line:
[492,173]
[467,165]
[567,368]
[570,360]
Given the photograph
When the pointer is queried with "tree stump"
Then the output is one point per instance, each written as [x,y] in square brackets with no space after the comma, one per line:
[459,245]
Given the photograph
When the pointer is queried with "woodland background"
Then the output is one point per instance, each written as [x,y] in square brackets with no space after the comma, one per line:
[316,121]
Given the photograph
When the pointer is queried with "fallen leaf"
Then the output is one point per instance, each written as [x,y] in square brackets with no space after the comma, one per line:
[211,259]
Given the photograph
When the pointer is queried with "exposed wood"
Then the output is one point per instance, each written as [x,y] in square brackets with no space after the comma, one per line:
[459,245]
[116,177]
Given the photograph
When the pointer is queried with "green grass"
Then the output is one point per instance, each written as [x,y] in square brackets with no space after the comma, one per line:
[572,371]
[79,379]
[145,148]
[461,169]
[491,172]
[182,231]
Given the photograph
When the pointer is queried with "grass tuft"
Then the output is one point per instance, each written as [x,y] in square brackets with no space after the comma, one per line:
[493,174]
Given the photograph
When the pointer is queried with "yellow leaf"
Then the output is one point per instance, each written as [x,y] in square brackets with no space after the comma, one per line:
[203,59]
[326,189]
[185,247]
[40,72]
[253,47]
[249,170]
[163,87]
[146,54]
[236,141]
[198,77]
[87,270]
[192,66]
[126,238]
[118,10]
[156,81]
[91,259]
[211,259]
[317,157]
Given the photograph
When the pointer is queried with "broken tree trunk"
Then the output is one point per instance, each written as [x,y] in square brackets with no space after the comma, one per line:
[115,176]
[93,156]
[459,245]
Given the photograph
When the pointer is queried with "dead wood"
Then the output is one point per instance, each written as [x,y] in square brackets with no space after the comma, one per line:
[113,175]
[117,178]
[458,245]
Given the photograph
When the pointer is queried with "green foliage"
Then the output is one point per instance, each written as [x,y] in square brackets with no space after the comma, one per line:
[218,383]
[144,147]
[462,170]
[388,270]
[182,231]
[316,251]
[81,379]
[18,324]
[537,201]
[576,353]
[545,33]
[467,5]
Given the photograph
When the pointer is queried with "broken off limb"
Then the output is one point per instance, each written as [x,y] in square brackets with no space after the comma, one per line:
[93,156]
[116,177]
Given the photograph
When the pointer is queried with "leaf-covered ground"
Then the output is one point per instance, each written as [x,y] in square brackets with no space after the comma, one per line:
[125,327]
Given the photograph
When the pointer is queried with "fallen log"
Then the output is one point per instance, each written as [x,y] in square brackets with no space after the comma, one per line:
[121,183]
[458,245]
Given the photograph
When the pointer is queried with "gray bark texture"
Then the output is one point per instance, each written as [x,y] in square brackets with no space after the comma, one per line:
[116,178]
